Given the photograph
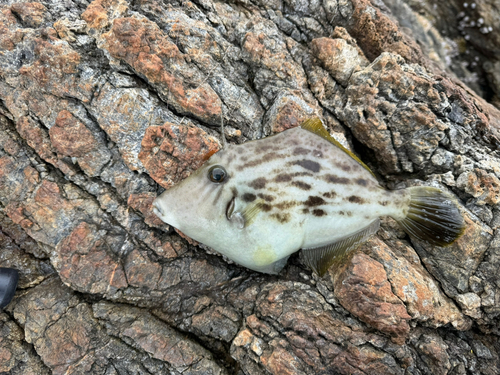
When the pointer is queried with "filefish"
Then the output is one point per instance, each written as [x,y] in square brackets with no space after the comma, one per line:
[259,202]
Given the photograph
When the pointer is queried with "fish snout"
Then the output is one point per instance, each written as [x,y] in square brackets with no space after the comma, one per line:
[157,208]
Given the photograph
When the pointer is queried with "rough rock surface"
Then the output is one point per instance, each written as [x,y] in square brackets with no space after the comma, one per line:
[105,103]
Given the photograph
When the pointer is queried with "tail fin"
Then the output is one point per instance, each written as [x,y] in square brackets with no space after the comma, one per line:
[433,216]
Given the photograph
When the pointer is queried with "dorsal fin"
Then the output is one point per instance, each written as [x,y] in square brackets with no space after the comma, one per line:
[314,125]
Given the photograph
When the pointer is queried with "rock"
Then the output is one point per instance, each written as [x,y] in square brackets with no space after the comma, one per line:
[70,137]
[124,114]
[16,356]
[434,353]
[144,203]
[414,286]
[271,60]
[481,185]
[338,57]
[456,263]
[171,152]
[32,271]
[140,44]
[31,14]
[288,110]
[144,332]
[77,257]
[363,289]
[104,104]
[470,303]
[68,324]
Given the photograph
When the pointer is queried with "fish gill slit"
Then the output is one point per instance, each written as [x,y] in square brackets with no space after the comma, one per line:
[230,208]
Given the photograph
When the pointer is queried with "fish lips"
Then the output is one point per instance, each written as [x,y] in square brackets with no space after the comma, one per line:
[234,217]
[157,209]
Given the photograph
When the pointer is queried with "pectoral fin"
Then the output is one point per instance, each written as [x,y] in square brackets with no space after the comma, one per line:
[323,257]
[251,211]
[246,216]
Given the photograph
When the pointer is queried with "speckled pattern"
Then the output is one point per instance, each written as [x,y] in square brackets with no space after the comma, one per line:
[305,192]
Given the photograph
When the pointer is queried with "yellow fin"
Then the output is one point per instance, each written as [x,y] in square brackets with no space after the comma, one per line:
[314,125]
[323,257]
[251,211]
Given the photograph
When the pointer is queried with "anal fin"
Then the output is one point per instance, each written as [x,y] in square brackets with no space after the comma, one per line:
[321,258]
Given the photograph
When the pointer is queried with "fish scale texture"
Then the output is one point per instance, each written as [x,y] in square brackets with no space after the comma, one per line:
[106,103]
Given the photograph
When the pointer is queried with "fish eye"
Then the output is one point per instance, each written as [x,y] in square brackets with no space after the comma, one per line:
[217,174]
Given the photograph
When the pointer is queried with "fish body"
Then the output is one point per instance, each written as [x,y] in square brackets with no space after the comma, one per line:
[261,201]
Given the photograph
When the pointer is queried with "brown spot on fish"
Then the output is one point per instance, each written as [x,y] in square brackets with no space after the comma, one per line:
[283,177]
[356,199]
[264,147]
[319,213]
[234,191]
[262,159]
[287,177]
[301,185]
[308,164]
[305,210]
[341,213]
[317,154]
[336,179]
[258,183]
[281,217]
[384,203]
[362,181]
[349,213]
[314,201]
[300,151]
[330,194]
[249,197]
[266,197]
[266,207]
[345,167]
[285,205]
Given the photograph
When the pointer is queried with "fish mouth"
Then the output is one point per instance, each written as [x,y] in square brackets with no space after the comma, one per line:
[230,208]
[157,209]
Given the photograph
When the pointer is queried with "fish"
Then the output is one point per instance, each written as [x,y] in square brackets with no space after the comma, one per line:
[261,201]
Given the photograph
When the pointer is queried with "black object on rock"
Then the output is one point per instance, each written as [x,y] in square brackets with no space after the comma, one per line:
[8,284]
